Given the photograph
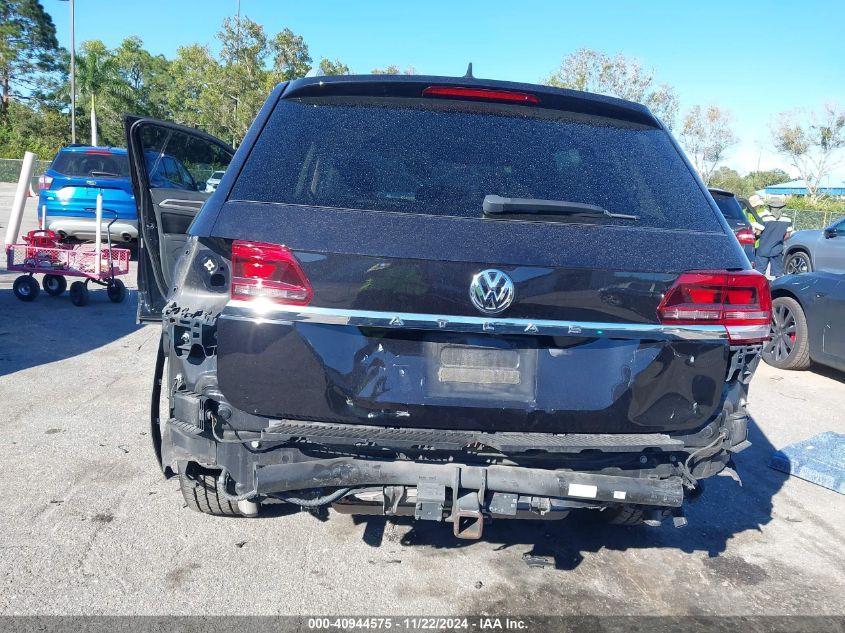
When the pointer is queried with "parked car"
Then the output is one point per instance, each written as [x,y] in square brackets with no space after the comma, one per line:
[68,189]
[811,250]
[808,321]
[213,181]
[730,207]
[453,299]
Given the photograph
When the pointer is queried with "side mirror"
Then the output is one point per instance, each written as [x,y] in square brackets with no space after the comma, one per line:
[830,232]
[201,185]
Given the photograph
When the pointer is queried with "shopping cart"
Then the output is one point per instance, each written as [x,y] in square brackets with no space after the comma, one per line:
[42,253]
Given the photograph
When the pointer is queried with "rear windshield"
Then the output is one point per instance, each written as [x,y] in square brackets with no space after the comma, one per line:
[730,206]
[92,165]
[442,157]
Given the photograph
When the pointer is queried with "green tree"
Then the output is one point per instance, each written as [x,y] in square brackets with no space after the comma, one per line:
[43,131]
[729,180]
[757,180]
[291,58]
[706,135]
[812,141]
[245,79]
[145,76]
[617,76]
[125,79]
[97,78]
[191,97]
[28,48]
[394,70]
[336,67]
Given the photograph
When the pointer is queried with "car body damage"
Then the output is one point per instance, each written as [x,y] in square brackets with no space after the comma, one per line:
[346,340]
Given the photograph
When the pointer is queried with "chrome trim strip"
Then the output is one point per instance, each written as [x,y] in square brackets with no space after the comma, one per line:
[259,312]
[181,205]
[748,332]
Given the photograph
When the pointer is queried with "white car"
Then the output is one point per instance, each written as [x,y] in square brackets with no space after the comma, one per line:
[213,181]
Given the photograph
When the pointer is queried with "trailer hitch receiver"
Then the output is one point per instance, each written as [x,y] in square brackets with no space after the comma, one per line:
[467,519]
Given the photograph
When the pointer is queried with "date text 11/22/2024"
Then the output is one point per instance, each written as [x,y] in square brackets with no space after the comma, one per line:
[480,623]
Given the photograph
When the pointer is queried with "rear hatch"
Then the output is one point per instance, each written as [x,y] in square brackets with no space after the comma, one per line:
[78,176]
[396,301]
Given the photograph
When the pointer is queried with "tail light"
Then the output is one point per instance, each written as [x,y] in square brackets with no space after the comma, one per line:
[460,92]
[739,301]
[268,271]
[44,182]
[745,236]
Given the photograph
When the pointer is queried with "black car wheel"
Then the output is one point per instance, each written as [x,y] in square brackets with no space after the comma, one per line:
[789,347]
[54,285]
[201,493]
[623,515]
[25,288]
[797,262]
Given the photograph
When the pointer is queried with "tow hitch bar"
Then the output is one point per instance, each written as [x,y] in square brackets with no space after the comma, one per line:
[467,519]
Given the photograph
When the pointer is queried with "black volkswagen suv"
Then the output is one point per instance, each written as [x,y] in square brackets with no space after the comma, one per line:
[454,299]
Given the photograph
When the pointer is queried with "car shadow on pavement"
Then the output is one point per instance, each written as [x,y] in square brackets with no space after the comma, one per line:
[828,372]
[50,329]
[724,510]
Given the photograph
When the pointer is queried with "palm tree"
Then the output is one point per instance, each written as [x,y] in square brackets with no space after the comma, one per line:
[96,76]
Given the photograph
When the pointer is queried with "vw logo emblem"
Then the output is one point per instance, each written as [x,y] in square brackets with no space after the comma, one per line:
[491,291]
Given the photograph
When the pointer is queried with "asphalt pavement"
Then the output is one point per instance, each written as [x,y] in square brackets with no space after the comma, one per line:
[89,526]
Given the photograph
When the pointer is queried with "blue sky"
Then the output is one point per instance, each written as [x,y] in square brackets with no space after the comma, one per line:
[753,57]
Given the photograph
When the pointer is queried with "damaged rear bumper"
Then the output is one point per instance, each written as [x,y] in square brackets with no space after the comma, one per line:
[461,494]
[350,472]
[463,477]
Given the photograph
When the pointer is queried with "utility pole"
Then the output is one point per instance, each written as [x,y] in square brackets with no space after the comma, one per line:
[73,72]
[237,61]
[237,34]
[72,75]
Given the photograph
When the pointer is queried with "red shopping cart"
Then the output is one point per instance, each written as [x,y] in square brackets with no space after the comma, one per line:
[42,253]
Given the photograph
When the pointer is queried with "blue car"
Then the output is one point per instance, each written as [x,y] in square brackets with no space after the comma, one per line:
[69,188]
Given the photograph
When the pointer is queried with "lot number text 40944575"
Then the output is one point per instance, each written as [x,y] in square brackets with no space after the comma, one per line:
[419,623]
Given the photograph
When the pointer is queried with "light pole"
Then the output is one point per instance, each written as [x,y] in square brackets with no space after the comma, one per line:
[72,74]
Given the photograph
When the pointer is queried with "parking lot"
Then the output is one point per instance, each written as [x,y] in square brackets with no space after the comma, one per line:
[89,526]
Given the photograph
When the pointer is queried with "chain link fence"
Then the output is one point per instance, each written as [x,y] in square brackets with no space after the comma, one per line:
[811,218]
[10,170]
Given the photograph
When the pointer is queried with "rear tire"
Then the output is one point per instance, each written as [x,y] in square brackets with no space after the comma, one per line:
[623,515]
[797,262]
[54,285]
[79,294]
[199,489]
[26,288]
[789,347]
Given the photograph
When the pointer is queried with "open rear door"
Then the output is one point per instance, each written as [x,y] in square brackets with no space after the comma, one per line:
[170,165]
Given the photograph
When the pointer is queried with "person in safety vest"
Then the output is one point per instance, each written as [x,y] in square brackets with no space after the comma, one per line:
[773,231]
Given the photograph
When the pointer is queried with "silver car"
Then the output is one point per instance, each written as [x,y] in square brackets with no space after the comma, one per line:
[816,249]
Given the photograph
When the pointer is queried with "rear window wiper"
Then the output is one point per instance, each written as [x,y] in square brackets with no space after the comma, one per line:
[497,205]
[103,174]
